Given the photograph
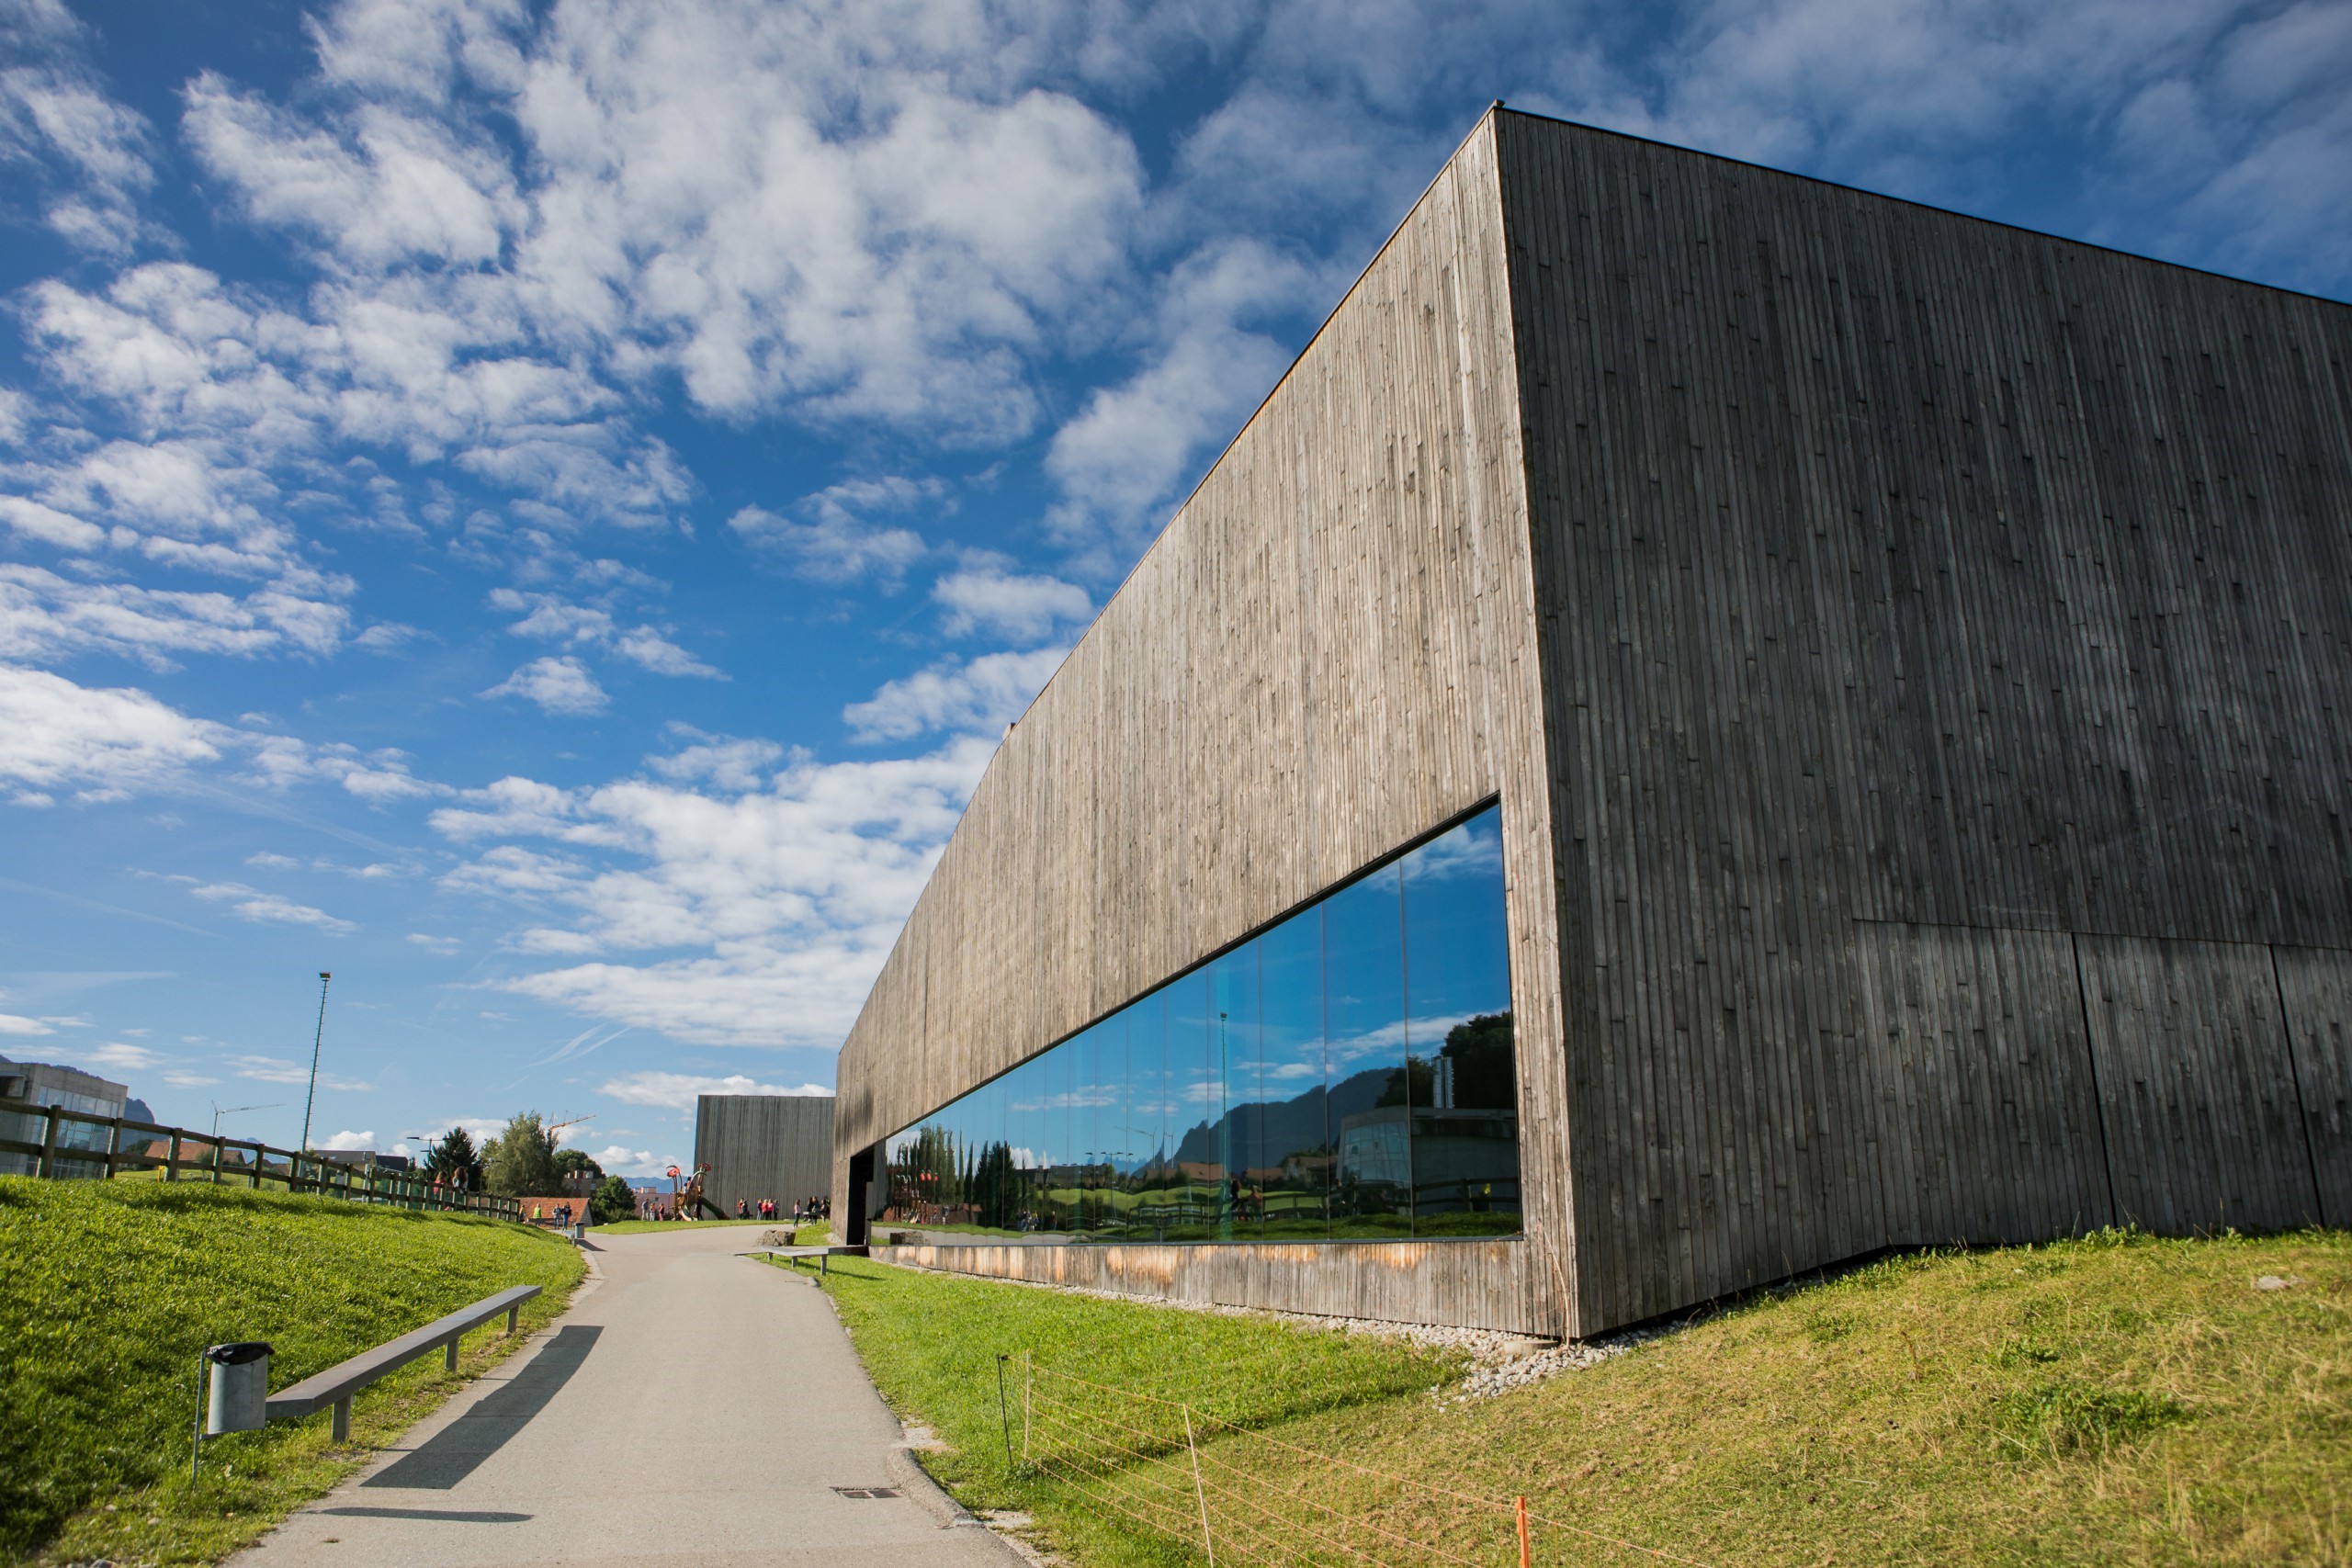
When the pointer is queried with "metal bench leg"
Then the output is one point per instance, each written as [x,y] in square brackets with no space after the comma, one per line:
[512,1314]
[450,1357]
[342,1419]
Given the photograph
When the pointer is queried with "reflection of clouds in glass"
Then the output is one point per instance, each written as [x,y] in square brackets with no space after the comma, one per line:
[1092,1097]
[1391,1038]
[1295,1071]
[1468,851]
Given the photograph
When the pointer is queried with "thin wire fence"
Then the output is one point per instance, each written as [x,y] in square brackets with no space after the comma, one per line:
[1243,1497]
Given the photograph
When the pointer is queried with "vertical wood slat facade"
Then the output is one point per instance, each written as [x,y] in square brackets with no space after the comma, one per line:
[1328,652]
[1912,654]
[765,1145]
[1946,642]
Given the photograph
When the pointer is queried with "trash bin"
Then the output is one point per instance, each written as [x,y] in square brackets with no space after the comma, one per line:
[240,1400]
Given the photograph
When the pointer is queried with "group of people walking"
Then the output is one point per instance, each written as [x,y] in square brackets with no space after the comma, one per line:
[769,1208]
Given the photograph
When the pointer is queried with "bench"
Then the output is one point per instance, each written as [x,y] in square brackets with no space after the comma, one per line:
[822,1254]
[338,1384]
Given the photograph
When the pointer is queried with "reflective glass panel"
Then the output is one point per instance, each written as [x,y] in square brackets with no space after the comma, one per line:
[1350,1072]
[1363,1014]
[1194,1093]
[1293,1151]
[1236,1088]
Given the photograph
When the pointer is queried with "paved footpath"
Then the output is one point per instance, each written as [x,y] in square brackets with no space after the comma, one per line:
[692,1408]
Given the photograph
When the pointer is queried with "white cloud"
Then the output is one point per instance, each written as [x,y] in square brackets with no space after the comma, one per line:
[729,764]
[616,1159]
[776,903]
[46,615]
[558,685]
[981,696]
[840,541]
[1122,458]
[278,1069]
[694,194]
[555,618]
[116,1056]
[12,1023]
[985,596]
[348,1141]
[180,1077]
[552,617]
[269,909]
[439,946]
[90,153]
[678,1089]
[109,741]
[654,651]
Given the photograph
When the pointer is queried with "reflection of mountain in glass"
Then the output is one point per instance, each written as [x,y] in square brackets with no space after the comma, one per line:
[1287,1126]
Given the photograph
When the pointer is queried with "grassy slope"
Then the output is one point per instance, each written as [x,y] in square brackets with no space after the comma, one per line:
[108,1290]
[2117,1400]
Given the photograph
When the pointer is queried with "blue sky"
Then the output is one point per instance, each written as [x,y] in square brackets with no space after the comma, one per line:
[543,510]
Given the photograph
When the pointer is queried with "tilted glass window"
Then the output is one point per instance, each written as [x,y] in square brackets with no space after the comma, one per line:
[1347,1073]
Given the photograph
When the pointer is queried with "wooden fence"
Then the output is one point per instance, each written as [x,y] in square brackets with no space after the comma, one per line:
[185,1156]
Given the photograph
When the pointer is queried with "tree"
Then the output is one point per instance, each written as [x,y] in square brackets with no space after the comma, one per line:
[575,1162]
[454,1160]
[520,1162]
[613,1201]
[1483,1077]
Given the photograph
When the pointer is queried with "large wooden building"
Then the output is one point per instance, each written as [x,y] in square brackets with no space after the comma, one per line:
[1913,660]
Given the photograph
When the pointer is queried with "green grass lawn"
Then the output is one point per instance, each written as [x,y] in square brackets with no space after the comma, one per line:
[2117,1400]
[109,1290]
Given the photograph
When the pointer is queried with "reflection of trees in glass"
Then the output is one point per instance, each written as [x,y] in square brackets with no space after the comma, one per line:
[1474,1072]
[1483,1077]
[995,1186]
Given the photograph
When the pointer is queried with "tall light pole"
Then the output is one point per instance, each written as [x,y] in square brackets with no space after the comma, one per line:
[316,1040]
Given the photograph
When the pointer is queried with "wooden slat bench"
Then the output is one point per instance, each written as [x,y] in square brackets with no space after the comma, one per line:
[339,1382]
[823,1254]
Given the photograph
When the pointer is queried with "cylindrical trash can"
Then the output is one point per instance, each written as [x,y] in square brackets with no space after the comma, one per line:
[240,1401]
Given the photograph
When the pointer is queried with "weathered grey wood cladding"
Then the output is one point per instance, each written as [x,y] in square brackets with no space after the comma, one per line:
[1329,651]
[765,1145]
[1913,657]
[1944,637]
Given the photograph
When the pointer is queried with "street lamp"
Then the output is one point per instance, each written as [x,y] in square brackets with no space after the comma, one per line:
[455,1178]
[312,1098]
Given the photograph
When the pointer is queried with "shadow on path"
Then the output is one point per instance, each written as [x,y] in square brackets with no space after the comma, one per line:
[455,1451]
[453,1515]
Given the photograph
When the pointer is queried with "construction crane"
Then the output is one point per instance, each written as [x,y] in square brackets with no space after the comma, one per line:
[575,1122]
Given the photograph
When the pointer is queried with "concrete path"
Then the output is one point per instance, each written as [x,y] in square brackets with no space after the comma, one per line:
[692,1408]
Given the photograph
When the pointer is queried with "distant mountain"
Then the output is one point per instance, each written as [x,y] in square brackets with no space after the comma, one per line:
[136,1111]
[1271,1131]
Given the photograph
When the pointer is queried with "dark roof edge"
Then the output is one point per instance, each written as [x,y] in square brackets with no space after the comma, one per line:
[1923,205]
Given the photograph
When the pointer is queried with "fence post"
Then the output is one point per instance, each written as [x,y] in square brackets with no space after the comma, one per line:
[1525,1560]
[1028,1398]
[48,1145]
[1208,1541]
[1003,1411]
[252,1172]
[113,1144]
